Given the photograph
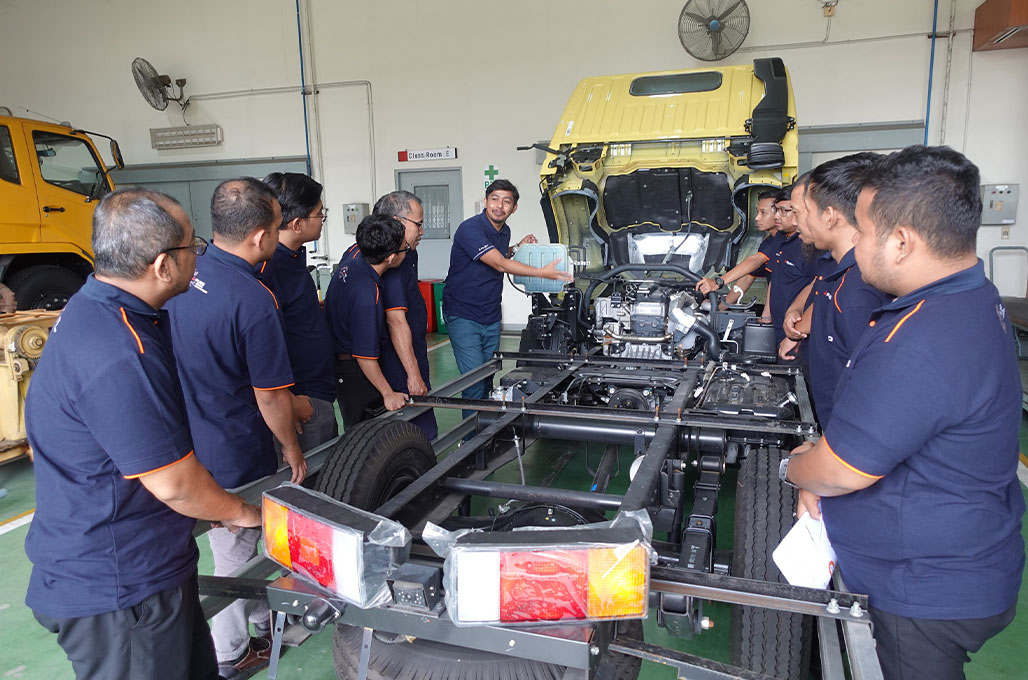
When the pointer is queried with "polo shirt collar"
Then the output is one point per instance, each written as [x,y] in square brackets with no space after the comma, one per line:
[847,261]
[112,295]
[964,280]
[295,254]
[489,224]
[788,237]
[361,262]
[225,257]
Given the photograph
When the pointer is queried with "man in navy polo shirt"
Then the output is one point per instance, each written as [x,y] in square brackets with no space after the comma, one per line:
[474,284]
[307,336]
[117,484]
[753,266]
[841,301]
[792,269]
[404,358]
[356,318]
[917,468]
[234,365]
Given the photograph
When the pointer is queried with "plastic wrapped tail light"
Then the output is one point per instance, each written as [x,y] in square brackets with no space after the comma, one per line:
[340,548]
[575,574]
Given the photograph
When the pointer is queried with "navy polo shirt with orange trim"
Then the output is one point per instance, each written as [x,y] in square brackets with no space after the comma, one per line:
[929,405]
[103,409]
[354,308]
[228,342]
[473,289]
[843,303]
[400,291]
[768,248]
[307,336]
[791,273]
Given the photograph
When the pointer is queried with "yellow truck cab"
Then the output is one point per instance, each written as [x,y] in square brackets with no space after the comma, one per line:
[665,167]
[51,177]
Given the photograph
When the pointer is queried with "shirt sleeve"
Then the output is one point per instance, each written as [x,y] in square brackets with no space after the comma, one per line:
[365,341]
[394,293]
[855,302]
[472,242]
[136,412]
[893,402]
[263,346]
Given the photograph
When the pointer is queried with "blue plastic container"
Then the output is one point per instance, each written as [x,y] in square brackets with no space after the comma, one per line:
[540,255]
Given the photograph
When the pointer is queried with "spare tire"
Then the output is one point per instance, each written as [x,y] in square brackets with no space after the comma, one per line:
[768,641]
[374,461]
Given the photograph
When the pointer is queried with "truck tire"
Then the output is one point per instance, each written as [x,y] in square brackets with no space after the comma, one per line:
[374,461]
[397,658]
[45,286]
[773,642]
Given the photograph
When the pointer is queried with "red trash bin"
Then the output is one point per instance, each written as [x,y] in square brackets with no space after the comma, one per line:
[426,293]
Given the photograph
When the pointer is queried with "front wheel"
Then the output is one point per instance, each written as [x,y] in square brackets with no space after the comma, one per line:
[45,287]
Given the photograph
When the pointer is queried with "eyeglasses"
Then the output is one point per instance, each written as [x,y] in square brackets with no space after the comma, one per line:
[784,210]
[323,216]
[199,246]
[405,248]
[419,225]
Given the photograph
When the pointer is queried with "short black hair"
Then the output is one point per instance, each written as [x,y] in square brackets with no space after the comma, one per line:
[378,237]
[784,194]
[766,194]
[933,189]
[131,227]
[240,206]
[396,203]
[297,194]
[837,182]
[503,185]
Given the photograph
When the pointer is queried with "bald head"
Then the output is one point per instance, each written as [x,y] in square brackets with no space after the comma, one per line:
[240,206]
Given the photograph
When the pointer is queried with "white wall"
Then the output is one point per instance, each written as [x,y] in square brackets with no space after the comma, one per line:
[485,76]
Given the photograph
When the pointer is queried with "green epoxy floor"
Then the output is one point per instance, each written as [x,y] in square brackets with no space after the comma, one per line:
[30,653]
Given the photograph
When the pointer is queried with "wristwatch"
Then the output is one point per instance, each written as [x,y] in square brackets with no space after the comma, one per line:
[783,471]
[719,282]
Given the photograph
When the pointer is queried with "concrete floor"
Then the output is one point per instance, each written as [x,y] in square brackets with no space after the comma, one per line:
[29,652]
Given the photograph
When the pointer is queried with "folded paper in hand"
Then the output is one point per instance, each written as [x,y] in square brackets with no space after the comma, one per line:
[805,557]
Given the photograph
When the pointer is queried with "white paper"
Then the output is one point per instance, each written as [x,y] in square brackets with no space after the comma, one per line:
[805,556]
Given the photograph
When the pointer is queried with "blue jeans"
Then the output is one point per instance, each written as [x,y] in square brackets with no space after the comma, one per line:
[473,344]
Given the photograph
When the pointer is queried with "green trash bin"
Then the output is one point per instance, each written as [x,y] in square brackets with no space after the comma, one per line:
[437,295]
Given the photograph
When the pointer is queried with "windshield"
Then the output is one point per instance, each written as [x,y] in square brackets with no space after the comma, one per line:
[69,162]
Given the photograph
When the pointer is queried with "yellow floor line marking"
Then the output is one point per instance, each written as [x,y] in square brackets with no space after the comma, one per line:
[17,521]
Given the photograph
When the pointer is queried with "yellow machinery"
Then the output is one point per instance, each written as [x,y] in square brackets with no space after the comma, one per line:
[23,335]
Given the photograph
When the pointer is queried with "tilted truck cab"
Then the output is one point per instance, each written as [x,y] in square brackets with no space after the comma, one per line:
[51,177]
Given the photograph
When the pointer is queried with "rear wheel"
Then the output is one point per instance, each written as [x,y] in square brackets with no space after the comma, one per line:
[773,642]
[45,286]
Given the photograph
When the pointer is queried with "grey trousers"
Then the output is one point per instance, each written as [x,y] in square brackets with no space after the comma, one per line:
[321,427]
[229,627]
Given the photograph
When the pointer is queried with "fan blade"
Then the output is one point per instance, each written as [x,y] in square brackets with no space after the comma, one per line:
[715,43]
[696,17]
[728,11]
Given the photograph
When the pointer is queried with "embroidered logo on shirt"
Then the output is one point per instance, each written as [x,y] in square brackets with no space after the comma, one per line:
[343,273]
[198,284]
[1001,312]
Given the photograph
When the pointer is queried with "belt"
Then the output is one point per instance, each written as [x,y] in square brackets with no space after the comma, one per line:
[344,357]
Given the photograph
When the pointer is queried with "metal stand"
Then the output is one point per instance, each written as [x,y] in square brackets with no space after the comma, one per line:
[276,644]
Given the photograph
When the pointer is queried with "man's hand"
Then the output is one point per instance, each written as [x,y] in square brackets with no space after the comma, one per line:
[787,349]
[550,271]
[8,303]
[808,503]
[249,517]
[303,411]
[293,457]
[706,286]
[528,239]
[415,385]
[394,401]
[793,317]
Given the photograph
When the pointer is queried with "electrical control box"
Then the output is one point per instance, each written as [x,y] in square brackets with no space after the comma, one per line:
[353,213]
[999,203]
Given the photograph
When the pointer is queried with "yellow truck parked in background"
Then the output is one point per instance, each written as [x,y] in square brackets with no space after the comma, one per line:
[51,176]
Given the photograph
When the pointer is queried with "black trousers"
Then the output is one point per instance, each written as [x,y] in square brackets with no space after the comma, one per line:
[355,393]
[929,649]
[164,637]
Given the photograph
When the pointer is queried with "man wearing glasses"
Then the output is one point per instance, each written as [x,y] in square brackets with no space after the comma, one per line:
[307,337]
[405,358]
[790,268]
[355,313]
[234,365]
[118,488]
